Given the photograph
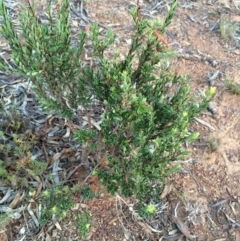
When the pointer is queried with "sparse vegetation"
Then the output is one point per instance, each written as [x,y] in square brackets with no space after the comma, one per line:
[227,28]
[87,192]
[17,167]
[213,143]
[16,144]
[56,203]
[232,86]
[84,223]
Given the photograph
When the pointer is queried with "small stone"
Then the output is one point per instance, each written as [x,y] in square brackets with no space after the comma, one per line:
[214,63]
[22,230]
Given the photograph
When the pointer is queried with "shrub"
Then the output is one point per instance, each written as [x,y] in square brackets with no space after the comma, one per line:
[84,223]
[56,203]
[147,108]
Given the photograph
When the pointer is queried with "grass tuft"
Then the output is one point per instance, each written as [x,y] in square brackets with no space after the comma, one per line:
[227,29]
[233,87]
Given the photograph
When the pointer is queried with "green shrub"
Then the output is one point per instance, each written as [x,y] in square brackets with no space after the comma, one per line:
[147,108]
[84,223]
[146,211]
[87,193]
[56,202]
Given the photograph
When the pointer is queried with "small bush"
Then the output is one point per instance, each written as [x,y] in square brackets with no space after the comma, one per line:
[84,223]
[87,192]
[146,211]
[56,203]
[147,108]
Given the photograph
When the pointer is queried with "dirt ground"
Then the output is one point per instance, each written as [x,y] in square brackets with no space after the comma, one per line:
[206,192]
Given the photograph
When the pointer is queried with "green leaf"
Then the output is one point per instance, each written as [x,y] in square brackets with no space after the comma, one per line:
[151,209]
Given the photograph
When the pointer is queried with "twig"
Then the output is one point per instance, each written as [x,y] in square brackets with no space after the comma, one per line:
[5,61]
[220,203]
[71,172]
[156,33]
[212,222]
[86,19]
[126,231]
[204,123]
[181,226]
[195,179]
[232,220]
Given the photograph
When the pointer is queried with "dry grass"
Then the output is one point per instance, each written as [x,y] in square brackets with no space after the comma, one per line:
[232,82]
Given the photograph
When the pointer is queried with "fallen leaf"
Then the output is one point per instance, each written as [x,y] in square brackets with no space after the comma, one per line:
[145,227]
[235,18]
[75,23]
[58,226]
[94,183]
[39,189]
[167,189]
[222,239]
[3,235]
[67,134]
[55,157]
[48,237]
[59,154]
[148,227]
[226,3]
[93,122]
[182,227]
[15,200]
[6,196]
[237,5]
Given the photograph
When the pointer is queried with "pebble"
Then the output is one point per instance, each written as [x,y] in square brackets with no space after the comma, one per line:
[22,230]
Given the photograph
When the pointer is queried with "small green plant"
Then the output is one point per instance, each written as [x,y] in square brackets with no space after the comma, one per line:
[232,86]
[84,223]
[12,121]
[147,107]
[84,135]
[56,203]
[3,219]
[87,192]
[151,209]
[16,144]
[215,14]
[146,211]
[213,143]
[227,29]
[17,167]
